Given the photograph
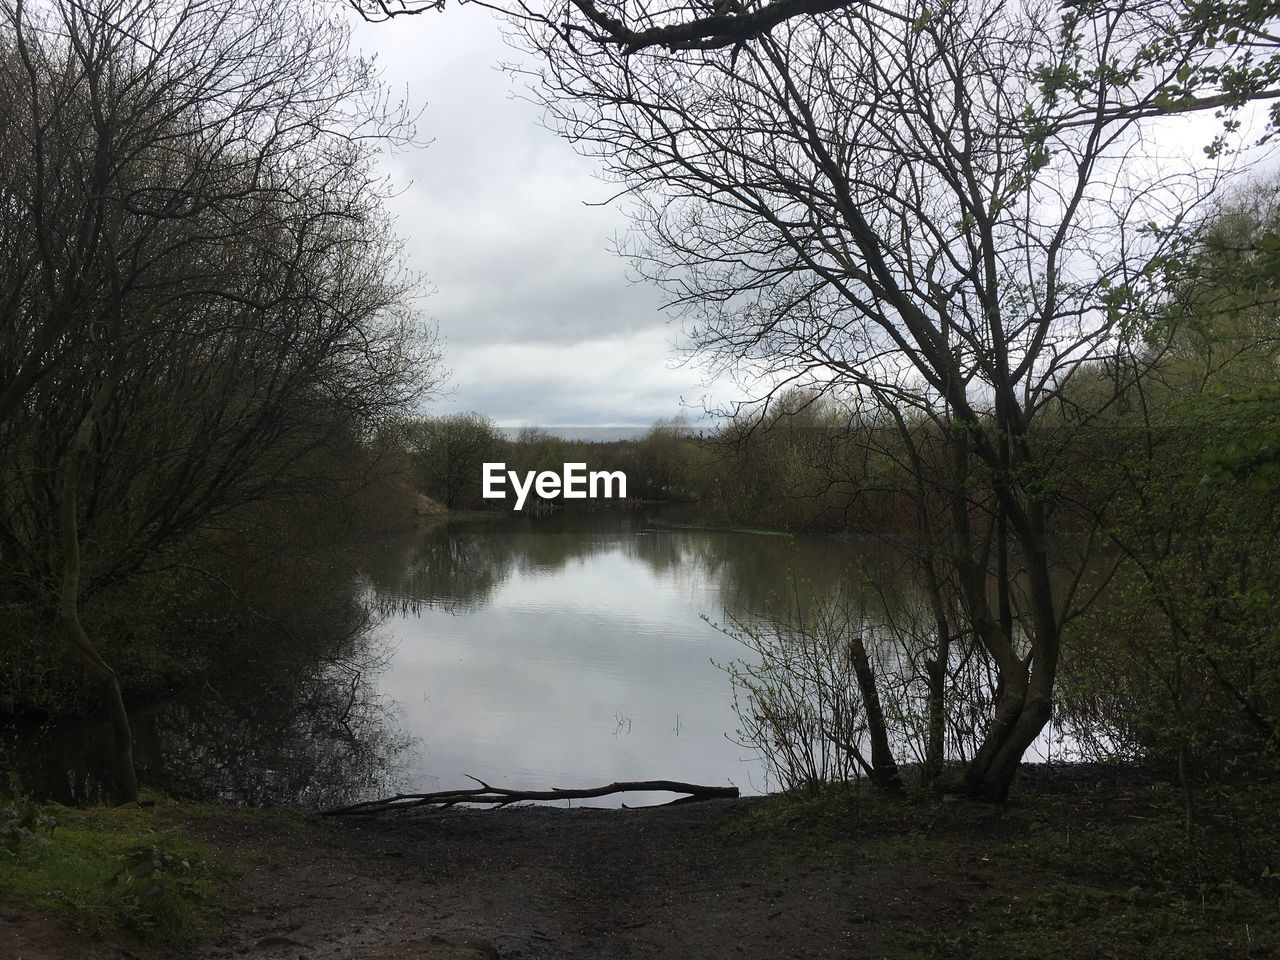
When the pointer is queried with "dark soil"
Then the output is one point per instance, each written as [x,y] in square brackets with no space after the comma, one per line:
[576,884]
[769,879]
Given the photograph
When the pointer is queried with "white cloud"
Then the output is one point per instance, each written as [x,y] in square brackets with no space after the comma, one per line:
[540,320]
[621,380]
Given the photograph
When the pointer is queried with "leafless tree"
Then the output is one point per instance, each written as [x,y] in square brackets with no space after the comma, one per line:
[885,199]
[197,281]
[1203,56]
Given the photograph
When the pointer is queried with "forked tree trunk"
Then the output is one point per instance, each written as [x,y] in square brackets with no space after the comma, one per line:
[126,778]
[991,773]
[1024,704]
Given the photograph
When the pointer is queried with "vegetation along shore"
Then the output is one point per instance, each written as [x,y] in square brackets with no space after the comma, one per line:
[950,616]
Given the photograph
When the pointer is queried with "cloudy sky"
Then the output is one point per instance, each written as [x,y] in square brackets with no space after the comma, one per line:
[540,321]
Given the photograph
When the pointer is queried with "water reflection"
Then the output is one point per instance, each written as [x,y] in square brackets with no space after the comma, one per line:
[460,565]
[275,718]
[573,649]
[565,650]
[577,649]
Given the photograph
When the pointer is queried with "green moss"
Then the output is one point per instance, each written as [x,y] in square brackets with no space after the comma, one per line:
[110,867]
[1098,873]
[1072,921]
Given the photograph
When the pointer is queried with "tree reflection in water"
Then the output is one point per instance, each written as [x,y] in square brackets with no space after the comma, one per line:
[460,565]
[293,716]
[276,716]
[566,625]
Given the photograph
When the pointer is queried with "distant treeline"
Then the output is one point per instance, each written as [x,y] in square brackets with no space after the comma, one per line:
[443,458]
[1159,472]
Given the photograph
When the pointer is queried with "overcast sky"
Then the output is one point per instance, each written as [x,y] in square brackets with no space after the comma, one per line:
[540,321]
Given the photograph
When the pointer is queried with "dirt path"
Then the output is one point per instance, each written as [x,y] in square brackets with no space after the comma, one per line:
[1092,874]
[529,883]
[540,883]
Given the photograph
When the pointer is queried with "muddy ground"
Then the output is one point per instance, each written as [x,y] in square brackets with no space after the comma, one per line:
[723,879]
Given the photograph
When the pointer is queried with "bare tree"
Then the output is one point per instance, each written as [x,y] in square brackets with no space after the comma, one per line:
[198,283]
[686,25]
[1201,56]
[886,200]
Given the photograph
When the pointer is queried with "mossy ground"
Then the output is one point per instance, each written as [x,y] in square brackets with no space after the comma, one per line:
[1098,871]
[1085,870]
[110,869]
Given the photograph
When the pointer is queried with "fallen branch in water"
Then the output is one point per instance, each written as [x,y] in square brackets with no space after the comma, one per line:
[501,796]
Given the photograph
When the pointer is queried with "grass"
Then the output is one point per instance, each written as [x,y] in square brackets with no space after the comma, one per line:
[1074,871]
[1099,872]
[109,868]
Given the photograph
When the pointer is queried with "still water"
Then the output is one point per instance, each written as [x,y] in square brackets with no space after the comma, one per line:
[575,650]
[568,650]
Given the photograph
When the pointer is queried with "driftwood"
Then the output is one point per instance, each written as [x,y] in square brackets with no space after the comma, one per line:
[501,796]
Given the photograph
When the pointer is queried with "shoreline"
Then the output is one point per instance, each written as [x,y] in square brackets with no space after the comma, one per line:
[1085,866]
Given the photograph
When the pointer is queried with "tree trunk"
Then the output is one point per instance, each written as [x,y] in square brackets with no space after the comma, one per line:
[884,769]
[69,601]
[936,707]
[992,770]
[126,778]
[936,677]
[1025,701]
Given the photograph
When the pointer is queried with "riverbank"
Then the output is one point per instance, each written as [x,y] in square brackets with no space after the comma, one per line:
[1072,870]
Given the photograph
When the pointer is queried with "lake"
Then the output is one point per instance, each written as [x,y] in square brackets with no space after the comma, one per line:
[570,649]
[578,649]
